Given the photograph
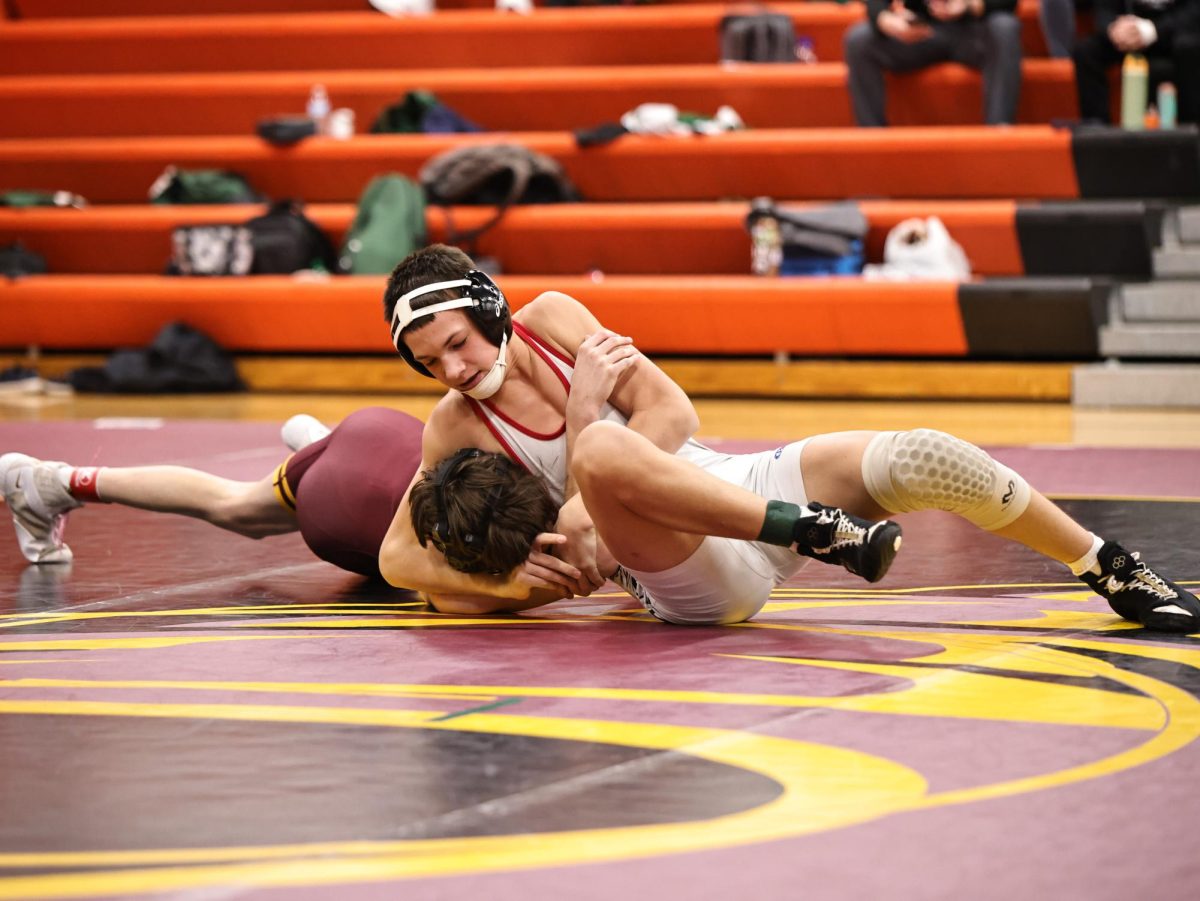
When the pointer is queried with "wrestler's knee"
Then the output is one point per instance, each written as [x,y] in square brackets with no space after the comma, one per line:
[925,469]
[603,452]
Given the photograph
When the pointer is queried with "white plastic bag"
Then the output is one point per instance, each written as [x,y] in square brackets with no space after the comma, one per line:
[399,8]
[921,249]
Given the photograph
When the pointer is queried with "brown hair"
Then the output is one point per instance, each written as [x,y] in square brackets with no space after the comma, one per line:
[435,263]
[481,510]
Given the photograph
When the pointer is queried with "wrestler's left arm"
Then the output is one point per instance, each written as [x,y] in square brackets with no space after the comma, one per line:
[654,405]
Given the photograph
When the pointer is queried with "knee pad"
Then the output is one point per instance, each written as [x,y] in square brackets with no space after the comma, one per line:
[924,469]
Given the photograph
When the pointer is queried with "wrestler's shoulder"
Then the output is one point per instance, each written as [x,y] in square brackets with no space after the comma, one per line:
[452,412]
[557,318]
[548,308]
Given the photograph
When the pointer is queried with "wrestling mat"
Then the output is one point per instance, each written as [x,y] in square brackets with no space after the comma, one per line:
[189,714]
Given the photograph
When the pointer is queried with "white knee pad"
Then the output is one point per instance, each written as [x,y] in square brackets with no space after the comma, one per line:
[928,470]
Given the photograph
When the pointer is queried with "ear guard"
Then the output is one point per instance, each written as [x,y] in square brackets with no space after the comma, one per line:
[481,297]
[462,552]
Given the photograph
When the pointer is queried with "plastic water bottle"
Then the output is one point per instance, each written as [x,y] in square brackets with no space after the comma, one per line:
[804,50]
[318,108]
[766,241]
[1168,105]
[1135,81]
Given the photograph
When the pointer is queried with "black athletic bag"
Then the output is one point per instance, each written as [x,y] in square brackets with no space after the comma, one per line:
[758,38]
[17,260]
[285,240]
[179,359]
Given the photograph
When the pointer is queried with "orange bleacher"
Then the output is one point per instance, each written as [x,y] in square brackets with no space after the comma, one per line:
[680,315]
[566,239]
[452,39]
[950,162]
[531,99]
[100,105]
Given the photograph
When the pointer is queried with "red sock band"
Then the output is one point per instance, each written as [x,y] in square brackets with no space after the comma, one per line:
[83,483]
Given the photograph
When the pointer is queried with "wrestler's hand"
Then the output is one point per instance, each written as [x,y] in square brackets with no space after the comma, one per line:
[542,569]
[582,549]
[601,360]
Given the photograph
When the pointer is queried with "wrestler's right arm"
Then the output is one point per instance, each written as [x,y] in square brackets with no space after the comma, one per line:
[403,562]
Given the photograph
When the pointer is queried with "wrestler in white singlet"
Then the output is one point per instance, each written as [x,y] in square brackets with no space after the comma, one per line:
[725,580]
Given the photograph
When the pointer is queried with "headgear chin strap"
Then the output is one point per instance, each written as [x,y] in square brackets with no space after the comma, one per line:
[490,383]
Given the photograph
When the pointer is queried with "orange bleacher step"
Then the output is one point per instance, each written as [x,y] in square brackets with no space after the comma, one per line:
[700,315]
[484,38]
[533,99]
[943,162]
[566,239]
[85,9]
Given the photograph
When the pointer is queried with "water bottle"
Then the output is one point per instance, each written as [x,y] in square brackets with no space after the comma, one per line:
[766,240]
[1135,78]
[318,108]
[1168,105]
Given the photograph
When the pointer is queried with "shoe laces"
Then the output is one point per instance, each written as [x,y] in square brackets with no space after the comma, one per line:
[844,533]
[1145,575]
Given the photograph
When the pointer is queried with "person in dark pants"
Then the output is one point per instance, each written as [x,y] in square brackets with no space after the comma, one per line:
[898,37]
[1166,32]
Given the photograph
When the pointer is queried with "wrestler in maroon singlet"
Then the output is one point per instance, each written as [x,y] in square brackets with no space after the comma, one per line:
[346,487]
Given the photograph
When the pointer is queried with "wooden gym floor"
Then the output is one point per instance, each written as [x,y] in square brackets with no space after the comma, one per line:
[187,714]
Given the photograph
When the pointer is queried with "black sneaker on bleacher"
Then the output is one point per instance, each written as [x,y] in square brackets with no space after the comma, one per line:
[1139,594]
[863,547]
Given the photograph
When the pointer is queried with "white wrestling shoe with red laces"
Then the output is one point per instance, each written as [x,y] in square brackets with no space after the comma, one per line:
[39,502]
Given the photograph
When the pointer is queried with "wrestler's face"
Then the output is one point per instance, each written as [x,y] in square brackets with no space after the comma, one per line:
[453,349]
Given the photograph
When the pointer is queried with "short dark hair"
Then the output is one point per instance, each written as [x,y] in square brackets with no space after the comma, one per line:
[424,266]
[488,513]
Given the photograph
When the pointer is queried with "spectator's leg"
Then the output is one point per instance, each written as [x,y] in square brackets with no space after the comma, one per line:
[1058,26]
[1001,65]
[1093,56]
[864,78]
[869,54]
[1186,56]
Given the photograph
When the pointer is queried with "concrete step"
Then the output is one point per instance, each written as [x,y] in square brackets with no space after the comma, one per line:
[1177,262]
[1189,224]
[1172,301]
[1136,385]
[1123,339]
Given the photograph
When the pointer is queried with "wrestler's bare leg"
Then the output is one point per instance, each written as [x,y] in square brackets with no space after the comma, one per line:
[252,509]
[651,508]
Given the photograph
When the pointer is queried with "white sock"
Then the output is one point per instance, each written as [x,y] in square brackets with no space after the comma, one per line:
[1089,562]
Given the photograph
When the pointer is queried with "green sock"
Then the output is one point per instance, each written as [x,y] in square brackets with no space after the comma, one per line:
[779,524]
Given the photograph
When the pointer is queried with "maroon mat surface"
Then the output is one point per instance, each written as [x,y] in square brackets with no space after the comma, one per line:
[185,713]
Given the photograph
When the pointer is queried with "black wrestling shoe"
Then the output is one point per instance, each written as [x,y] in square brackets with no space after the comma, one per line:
[863,547]
[1140,595]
